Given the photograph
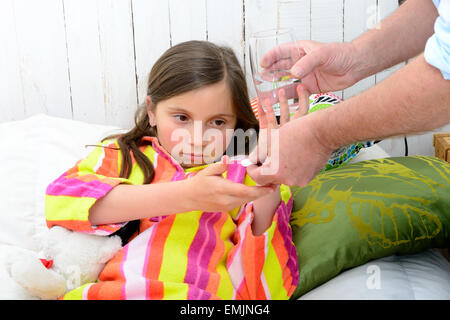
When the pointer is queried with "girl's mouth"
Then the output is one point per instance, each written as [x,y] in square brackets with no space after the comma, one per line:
[193,157]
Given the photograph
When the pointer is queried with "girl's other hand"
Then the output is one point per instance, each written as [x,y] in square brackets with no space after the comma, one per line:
[208,190]
[267,124]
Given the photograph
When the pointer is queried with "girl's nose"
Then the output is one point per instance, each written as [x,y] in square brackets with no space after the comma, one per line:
[196,135]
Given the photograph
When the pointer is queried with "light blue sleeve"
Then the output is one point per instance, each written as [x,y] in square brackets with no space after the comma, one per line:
[437,48]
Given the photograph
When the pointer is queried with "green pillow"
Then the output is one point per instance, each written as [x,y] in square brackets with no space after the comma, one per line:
[350,215]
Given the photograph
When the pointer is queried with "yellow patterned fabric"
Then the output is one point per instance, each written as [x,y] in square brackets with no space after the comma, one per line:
[350,215]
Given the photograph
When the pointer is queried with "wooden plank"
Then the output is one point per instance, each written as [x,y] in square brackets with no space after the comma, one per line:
[327,23]
[101,61]
[151,38]
[85,61]
[296,15]
[116,40]
[259,15]
[225,25]
[359,17]
[36,62]
[327,19]
[386,8]
[187,20]
[395,146]
[12,103]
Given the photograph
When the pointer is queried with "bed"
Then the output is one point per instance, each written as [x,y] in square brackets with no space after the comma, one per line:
[38,149]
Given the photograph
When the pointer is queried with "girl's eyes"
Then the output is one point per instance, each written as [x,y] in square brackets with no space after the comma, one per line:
[179,116]
[220,121]
[183,118]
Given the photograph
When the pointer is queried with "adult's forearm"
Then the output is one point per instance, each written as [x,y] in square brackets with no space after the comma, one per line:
[414,99]
[130,202]
[400,36]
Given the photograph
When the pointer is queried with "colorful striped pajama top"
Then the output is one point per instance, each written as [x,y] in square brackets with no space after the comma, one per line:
[192,255]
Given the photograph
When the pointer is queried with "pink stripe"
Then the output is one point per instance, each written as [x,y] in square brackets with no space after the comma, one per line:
[199,256]
[195,293]
[236,172]
[122,272]
[206,251]
[77,188]
[284,213]
[195,249]
[147,258]
[239,289]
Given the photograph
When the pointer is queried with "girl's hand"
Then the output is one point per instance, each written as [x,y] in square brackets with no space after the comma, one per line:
[269,127]
[208,190]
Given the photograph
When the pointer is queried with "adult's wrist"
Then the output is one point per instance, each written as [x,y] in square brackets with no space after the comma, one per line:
[326,130]
[362,66]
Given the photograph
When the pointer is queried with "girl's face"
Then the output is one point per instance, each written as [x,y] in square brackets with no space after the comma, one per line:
[195,127]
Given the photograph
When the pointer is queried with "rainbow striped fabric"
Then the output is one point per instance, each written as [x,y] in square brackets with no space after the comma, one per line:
[192,255]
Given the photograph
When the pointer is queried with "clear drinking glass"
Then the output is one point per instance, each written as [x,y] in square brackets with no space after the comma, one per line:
[268,80]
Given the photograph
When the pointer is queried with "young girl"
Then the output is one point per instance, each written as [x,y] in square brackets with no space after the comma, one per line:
[196,230]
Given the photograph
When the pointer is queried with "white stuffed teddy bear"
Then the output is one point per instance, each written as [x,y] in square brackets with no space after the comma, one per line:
[74,259]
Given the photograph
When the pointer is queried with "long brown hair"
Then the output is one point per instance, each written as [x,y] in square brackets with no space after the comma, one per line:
[184,67]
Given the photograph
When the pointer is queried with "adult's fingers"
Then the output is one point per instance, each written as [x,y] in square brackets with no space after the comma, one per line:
[275,54]
[308,63]
[284,107]
[271,119]
[215,169]
[303,102]
[272,95]
[262,118]
[260,176]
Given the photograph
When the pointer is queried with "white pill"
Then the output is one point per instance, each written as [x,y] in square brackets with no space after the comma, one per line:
[246,162]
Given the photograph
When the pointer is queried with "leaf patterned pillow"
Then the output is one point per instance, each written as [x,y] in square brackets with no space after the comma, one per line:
[350,215]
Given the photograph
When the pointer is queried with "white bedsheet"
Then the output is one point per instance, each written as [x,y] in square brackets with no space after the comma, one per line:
[422,276]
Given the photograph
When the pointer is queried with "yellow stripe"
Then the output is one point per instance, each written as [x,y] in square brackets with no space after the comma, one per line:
[175,291]
[248,181]
[92,159]
[285,192]
[137,175]
[225,288]
[67,208]
[272,270]
[76,294]
[197,168]
[176,247]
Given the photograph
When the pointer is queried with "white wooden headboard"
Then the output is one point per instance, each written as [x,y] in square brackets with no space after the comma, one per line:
[89,60]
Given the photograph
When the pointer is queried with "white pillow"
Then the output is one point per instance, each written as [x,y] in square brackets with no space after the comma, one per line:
[35,152]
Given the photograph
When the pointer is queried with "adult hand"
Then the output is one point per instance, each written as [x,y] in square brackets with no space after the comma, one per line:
[300,154]
[322,67]
[208,190]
